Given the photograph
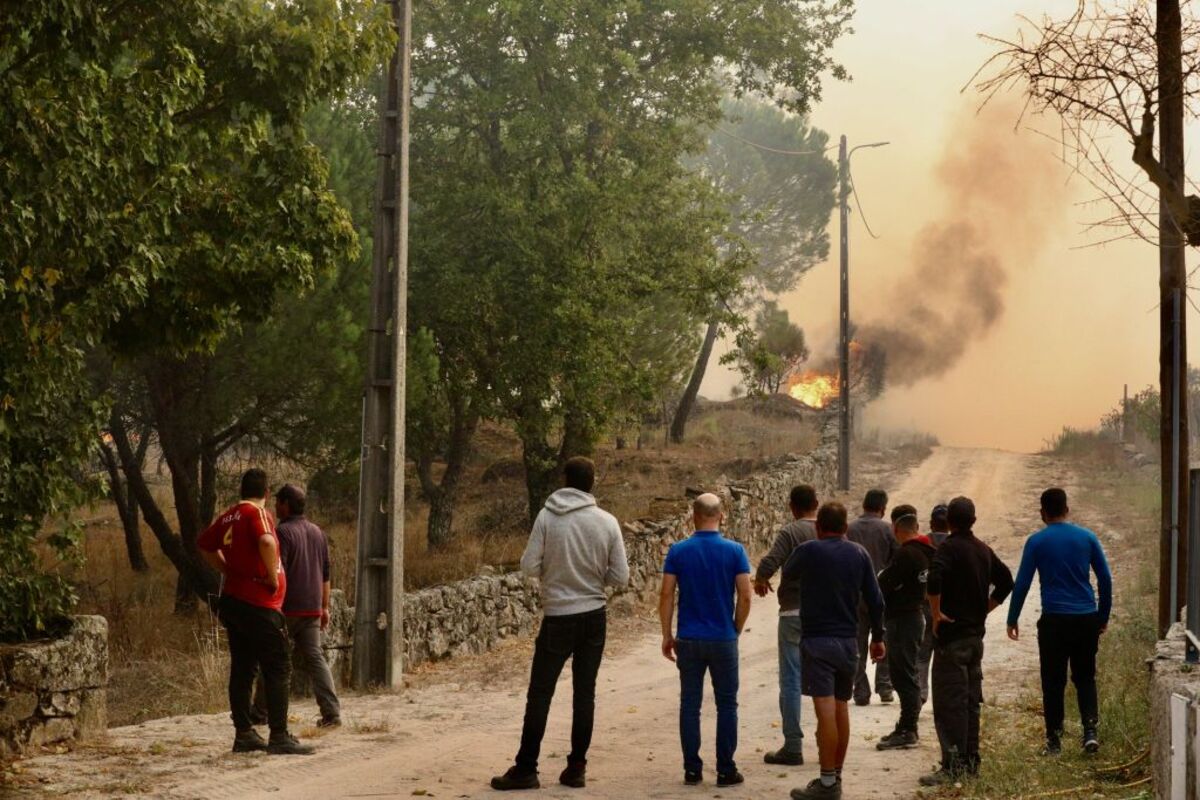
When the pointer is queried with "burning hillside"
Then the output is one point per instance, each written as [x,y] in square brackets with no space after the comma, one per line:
[818,387]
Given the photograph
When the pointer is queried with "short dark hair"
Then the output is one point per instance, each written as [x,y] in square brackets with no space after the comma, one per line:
[254,484]
[905,516]
[937,518]
[803,497]
[961,514]
[579,473]
[1054,502]
[293,497]
[875,501]
[831,518]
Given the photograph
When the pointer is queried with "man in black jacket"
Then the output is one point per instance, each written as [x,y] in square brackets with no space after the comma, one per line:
[903,585]
[966,582]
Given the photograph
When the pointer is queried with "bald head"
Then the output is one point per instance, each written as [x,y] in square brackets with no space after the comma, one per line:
[706,512]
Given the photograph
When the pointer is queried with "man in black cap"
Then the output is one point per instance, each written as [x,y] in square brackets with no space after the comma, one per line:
[939,529]
[966,582]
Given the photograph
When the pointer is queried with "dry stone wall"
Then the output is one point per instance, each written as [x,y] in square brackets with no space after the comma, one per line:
[1175,763]
[54,691]
[473,615]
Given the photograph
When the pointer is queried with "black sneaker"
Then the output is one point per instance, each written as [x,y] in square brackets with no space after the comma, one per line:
[1053,744]
[862,701]
[329,722]
[818,791]
[784,757]
[693,778]
[284,744]
[515,779]
[730,778]
[1091,740]
[898,740]
[248,741]
[887,697]
[574,775]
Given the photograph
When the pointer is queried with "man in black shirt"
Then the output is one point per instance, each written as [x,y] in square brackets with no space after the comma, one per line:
[903,585]
[966,582]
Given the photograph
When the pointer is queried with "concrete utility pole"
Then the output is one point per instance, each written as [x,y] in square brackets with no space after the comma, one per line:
[378,657]
[844,323]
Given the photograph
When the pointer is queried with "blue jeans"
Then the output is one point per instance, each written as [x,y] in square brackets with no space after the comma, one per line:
[789,683]
[693,658]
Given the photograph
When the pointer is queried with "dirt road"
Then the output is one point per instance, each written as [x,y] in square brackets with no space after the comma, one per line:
[446,740]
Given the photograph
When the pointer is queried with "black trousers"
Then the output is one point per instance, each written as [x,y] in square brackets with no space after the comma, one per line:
[579,637]
[905,632]
[957,678]
[257,640]
[862,684]
[1069,639]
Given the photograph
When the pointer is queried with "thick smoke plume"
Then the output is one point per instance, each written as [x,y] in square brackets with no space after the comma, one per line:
[1004,195]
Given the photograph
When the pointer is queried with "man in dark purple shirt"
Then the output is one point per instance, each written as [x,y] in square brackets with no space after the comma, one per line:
[304,556]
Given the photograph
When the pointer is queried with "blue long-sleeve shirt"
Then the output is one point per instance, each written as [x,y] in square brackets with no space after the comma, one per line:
[1063,555]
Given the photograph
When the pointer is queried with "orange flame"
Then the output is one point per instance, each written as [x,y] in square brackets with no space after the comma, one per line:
[814,389]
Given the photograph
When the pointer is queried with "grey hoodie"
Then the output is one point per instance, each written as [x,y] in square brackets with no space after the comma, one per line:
[575,549]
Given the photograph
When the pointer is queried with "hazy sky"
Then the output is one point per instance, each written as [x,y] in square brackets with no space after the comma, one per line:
[1079,321]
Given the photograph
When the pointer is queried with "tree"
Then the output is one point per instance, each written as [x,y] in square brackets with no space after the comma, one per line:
[771,351]
[779,202]
[156,182]
[1124,66]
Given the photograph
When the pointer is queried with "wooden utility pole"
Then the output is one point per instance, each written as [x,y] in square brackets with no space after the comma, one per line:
[378,657]
[1173,329]
[844,320]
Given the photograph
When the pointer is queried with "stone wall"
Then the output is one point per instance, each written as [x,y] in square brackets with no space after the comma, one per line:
[54,691]
[473,615]
[1170,676]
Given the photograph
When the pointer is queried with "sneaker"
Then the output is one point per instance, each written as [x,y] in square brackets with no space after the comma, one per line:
[515,779]
[818,791]
[730,778]
[887,697]
[287,745]
[1053,744]
[898,740]
[1091,740]
[784,757]
[862,701]
[693,778]
[942,777]
[248,741]
[329,722]
[573,775]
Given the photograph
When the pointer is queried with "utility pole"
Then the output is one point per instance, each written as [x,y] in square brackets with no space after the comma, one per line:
[378,656]
[844,326]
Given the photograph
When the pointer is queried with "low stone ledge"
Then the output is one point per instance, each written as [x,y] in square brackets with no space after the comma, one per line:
[1171,676]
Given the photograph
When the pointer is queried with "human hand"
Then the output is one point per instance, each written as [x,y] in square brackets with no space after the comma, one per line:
[1103,628]
[878,651]
[324,618]
[668,648]
[938,619]
[1014,632]
[762,588]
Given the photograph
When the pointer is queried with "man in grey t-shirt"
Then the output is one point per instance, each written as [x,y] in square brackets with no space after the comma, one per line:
[803,504]
[875,535]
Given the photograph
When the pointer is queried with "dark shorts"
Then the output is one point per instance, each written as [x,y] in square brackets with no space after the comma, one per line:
[827,667]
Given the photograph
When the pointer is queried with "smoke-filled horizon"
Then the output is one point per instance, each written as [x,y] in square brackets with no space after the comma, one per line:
[1003,196]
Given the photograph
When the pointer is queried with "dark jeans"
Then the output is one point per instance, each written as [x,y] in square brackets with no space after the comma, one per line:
[579,637]
[883,680]
[904,634]
[957,695]
[305,635]
[257,640]
[720,659]
[1069,639]
[925,658]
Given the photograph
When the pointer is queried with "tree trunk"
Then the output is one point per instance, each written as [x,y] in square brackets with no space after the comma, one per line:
[541,473]
[208,486]
[127,510]
[444,495]
[579,437]
[684,409]
[1172,316]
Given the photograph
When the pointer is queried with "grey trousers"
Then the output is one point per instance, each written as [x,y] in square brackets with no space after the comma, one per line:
[305,635]
[883,676]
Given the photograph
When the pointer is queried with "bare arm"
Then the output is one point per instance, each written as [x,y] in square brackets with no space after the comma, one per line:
[269,553]
[325,588]
[743,601]
[666,615]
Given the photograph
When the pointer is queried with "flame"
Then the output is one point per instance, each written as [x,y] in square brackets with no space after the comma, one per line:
[814,389]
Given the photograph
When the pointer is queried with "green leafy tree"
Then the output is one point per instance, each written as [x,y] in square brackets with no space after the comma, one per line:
[773,349]
[157,188]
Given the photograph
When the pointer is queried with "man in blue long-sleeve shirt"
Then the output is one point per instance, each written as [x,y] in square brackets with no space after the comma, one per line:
[1064,555]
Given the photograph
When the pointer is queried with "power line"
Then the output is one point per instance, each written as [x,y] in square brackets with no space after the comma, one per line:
[858,205]
[775,150]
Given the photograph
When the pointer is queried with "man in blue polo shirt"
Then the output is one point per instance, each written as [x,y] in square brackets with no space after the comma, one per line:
[708,571]
[1064,555]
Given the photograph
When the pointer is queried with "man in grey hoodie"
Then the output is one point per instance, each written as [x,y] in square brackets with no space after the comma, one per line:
[575,550]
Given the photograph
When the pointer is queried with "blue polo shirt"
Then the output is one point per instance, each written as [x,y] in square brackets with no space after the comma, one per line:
[1063,556]
[706,565]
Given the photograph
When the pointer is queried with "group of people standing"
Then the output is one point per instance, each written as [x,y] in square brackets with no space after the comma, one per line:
[850,593]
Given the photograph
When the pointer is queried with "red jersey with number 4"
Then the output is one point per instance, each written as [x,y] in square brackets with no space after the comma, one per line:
[235,534]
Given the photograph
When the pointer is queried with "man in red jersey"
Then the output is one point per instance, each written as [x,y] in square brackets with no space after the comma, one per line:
[242,545]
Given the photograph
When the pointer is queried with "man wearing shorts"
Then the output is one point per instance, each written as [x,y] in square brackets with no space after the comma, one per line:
[834,575]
